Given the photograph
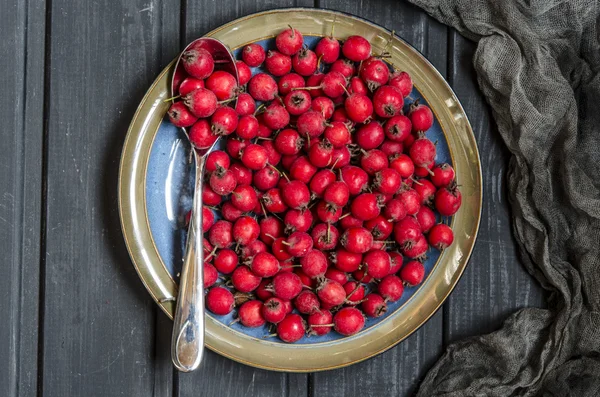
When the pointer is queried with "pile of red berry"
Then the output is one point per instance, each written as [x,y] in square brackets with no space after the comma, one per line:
[322,190]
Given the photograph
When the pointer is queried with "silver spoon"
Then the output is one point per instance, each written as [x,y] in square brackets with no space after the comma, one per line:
[187,342]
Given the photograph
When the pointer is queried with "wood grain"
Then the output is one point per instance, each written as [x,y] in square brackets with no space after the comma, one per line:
[494,283]
[219,375]
[21,111]
[99,322]
[398,371]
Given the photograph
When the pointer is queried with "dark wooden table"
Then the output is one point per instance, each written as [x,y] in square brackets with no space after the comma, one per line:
[75,318]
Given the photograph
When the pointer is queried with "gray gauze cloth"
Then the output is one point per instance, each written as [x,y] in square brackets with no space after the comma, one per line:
[537,63]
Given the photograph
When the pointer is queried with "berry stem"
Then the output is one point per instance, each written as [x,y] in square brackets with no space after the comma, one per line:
[172,98]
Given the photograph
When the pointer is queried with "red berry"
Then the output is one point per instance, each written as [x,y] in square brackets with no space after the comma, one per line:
[230,212]
[297,221]
[266,179]
[201,102]
[394,210]
[320,181]
[315,81]
[209,197]
[396,261]
[190,84]
[443,175]
[357,240]
[346,261]
[291,328]
[356,48]
[441,236]
[348,321]
[305,62]
[421,118]
[357,86]
[226,261]
[325,236]
[403,165]
[311,123]
[411,200]
[319,323]
[391,148]
[223,84]
[407,231]
[264,265]
[426,190]
[274,310]
[296,194]
[328,213]
[307,302]
[337,194]
[245,230]
[333,84]
[378,263]
[355,292]
[365,206]
[198,63]
[391,288]
[273,201]
[412,273]
[224,121]
[297,102]
[180,115]
[254,157]
[355,178]
[253,55]
[331,292]
[278,64]
[288,82]
[422,152]
[343,66]
[302,170]
[320,154]
[402,81]
[262,87]
[374,305]
[448,200]
[210,275]
[273,156]
[222,181]
[387,181]
[298,244]
[370,136]
[337,134]
[359,108]
[418,250]
[349,221]
[289,41]
[220,301]
[336,275]
[286,285]
[328,49]
[373,161]
[242,174]
[376,73]
[244,72]
[288,142]
[324,106]
[217,158]
[379,227]
[235,146]
[250,314]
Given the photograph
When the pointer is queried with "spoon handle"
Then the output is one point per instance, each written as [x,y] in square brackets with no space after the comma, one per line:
[187,342]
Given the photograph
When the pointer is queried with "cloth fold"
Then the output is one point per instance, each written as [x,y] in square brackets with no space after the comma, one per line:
[537,64]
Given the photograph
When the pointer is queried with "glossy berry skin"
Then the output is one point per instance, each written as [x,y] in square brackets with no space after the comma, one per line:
[357,240]
[375,73]
[365,206]
[245,231]
[198,63]
[223,84]
[391,288]
[244,280]
[299,244]
[331,292]
[289,41]
[403,165]
[314,264]
[286,285]
[413,273]
[422,152]
[348,321]
[190,84]
[226,261]
[402,81]
[355,292]
[448,200]
[210,275]
[359,108]
[324,106]
[443,175]
[244,72]
[421,118]
[264,265]
[288,82]
[374,305]
[304,62]
[323,317]
[370,136]
[325,236]
[277,63]
[441,236]
[291,328]
[201,102]
[274,310]
[355,178]
[180,115]
[253,55]
[224,120]
[328,49]
[426,218]
[356,48]
[388,101]
[262,87]
[378,263]
[307,302]
[219,301]
[250,314]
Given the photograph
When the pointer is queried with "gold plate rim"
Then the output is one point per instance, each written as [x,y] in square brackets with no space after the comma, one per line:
[161,289]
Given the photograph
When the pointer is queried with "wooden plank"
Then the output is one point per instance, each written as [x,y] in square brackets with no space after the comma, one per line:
[98,330]
[219,375]
[494,284]
[21,110]
[398,371]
